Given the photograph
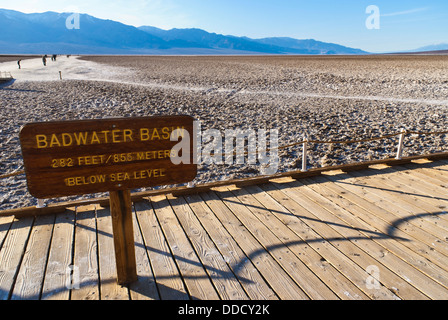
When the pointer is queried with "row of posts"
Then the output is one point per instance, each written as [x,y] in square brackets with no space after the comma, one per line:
[305,150]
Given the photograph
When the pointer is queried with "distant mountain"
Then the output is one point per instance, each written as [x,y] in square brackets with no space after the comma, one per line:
[434,47]
[310,46]
[197,38]
[40,33]
[203,39]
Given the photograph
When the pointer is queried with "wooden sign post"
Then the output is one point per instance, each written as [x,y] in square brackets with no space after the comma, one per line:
[121,212]
[110,155]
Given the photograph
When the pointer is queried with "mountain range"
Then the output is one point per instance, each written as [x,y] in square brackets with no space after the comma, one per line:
[59,33]
[432,48]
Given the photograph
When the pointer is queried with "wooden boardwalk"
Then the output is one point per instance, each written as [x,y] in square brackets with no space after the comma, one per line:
[379,233]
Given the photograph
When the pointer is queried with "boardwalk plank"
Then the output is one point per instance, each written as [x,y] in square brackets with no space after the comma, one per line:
[406,211]
[406,248]
[5,225]
[422,205]
[432,169]
[169,282]
[279,280]
[225,282]
[413,194]
[106,254]
[379,233]
[430,179]
[145,288]
[250,278]
[307,280]
[195,277]
[86,255]
[11,254]
[264,207]
[382,219]
[30,279]
[395,215]
[412,276]
[437,189]
[57,279]
[333,246]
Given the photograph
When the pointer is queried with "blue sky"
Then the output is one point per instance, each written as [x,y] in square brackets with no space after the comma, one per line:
[404,24]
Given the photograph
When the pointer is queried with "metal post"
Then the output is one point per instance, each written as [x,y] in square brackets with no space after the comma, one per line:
[304,155]
[400,145]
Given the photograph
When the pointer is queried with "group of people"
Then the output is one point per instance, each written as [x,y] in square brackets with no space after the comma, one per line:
[44,60]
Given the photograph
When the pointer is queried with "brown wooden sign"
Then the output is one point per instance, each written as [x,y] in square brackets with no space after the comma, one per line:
[88,156]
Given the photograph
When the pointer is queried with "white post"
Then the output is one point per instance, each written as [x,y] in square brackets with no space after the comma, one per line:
[400,145]
[304,155]
[40,203]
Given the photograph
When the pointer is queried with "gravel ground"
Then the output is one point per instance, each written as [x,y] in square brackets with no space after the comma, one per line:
[324,98]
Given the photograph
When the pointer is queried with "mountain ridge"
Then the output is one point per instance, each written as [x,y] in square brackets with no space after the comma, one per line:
[39,33]
[433,47]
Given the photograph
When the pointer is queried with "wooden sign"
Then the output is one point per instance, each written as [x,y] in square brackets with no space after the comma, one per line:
[88,156]
[114,155]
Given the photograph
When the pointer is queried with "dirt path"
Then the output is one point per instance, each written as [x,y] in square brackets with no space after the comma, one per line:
[71,68]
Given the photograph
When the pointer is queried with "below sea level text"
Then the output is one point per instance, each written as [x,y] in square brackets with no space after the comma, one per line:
[115,177]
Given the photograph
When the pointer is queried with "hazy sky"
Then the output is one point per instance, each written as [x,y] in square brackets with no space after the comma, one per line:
[403,24]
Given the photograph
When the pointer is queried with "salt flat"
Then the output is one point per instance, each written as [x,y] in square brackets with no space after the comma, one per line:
[74,68]
[320,97]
